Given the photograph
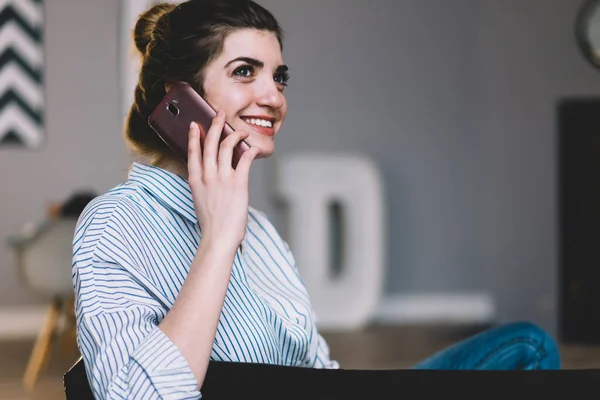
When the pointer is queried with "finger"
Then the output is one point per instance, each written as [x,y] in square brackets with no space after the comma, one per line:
[243,167]
[211,144]
[227,147]
[194,151]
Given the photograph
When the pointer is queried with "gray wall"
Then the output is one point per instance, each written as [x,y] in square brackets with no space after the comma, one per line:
[528,59]
[453,99]
[84,148]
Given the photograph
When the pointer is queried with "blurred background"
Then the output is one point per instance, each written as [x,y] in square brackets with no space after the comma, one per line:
[461,107]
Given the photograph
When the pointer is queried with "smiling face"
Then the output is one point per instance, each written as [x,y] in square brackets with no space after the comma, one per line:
[247,81]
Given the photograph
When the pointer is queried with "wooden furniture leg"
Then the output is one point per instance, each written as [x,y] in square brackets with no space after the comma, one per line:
[42,347]
[68,340]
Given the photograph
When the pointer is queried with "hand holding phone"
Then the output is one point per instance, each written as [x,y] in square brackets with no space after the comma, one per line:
[210,149]
[172,117]
[220,193]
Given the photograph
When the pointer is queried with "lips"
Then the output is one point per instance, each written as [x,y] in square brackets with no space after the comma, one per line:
[262,124]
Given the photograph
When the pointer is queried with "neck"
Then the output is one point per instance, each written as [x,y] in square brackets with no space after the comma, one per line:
[173,166]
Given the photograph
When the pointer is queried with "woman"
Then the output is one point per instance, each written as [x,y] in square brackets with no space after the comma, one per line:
[173,268]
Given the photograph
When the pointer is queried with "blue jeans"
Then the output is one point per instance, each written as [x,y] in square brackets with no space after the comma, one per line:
[514,346]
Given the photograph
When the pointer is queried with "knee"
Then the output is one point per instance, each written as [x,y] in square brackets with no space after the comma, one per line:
[547,345]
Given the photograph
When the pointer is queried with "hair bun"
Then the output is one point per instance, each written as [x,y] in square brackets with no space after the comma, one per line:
[142,33]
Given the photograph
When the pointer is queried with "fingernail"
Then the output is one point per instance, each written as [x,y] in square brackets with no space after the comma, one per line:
[192,125]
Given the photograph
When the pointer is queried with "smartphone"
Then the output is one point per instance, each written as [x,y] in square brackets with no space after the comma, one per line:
[172,117]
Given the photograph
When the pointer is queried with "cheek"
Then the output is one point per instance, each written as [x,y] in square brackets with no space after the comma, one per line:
[231,99]
[234,100]
[284,110]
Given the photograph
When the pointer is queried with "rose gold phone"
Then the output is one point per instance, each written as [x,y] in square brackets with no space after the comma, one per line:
[172,117]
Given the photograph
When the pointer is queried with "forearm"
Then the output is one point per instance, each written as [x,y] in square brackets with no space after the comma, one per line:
[192,321]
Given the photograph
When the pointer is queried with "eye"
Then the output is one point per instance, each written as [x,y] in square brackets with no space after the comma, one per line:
[282,78]
[245,71]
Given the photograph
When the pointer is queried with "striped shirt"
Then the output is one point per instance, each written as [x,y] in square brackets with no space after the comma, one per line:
[132,250]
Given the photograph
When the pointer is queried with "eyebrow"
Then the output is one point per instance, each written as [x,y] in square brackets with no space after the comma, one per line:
[256,63]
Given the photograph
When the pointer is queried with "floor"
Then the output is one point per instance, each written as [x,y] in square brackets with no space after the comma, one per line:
[378,347]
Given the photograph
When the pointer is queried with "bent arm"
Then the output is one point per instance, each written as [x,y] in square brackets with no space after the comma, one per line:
[128,353]
[128,357]
[192,321]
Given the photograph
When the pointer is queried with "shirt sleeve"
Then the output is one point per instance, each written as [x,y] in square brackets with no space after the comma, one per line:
[126,354]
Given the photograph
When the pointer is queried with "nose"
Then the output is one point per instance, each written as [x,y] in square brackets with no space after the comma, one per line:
[269,95]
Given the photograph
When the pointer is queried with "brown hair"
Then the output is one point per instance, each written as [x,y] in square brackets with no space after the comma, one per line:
[177,42]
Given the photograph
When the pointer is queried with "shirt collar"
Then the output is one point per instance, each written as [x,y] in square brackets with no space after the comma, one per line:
[168,188]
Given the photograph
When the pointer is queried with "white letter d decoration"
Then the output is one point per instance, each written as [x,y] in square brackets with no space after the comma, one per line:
[336,230]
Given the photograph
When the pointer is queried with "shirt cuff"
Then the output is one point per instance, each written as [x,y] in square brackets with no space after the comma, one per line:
[166,367]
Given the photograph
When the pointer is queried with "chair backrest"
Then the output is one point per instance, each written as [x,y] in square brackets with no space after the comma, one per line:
[231,380]
[46,261]
[76,384]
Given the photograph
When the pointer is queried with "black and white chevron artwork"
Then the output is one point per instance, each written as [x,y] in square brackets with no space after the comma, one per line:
[21,73]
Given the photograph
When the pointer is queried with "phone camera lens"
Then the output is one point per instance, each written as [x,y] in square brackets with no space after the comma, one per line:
[173,109]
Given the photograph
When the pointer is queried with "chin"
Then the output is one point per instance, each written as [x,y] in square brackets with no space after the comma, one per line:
[266,146]
[265,153]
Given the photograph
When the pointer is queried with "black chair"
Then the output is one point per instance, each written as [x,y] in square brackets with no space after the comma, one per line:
[76,383]
[226,381]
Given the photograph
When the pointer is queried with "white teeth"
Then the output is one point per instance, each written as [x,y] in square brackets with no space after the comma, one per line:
[259,122]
